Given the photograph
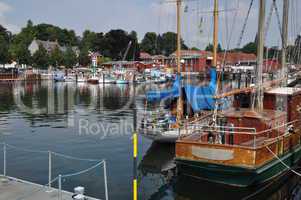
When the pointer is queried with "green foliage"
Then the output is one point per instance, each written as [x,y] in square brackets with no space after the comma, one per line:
[53,33]
[70,58]
[210,48]
[87,42]
[5,37]
[84,58]
[56,58]
[134,51]
[104,60]
[112,44]
[250,48]
[195,49]
[168,42]
[149,43]
[164,44]
[40,58]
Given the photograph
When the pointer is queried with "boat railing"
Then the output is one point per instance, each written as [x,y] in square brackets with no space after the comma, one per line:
[240,136]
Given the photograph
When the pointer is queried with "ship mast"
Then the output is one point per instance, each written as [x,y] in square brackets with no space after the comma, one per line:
[284,37]
[180,101]
[215,45]
[260,49]
[215,33]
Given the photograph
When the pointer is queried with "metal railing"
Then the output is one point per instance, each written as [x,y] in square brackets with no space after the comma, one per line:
[59,178]
[240,136]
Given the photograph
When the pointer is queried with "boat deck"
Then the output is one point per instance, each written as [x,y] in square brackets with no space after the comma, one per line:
[12,189]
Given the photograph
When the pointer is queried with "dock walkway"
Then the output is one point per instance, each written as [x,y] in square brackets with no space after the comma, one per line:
[16,189]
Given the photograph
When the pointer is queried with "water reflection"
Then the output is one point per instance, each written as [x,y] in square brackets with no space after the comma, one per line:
[159,161]
[54,127]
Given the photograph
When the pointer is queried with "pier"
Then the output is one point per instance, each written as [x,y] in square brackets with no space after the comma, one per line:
[12,188]
[16,189]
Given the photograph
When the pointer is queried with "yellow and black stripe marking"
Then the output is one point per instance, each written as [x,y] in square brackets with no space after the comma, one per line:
[135,153]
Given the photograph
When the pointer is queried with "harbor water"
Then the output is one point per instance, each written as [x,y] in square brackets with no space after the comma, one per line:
[97,122]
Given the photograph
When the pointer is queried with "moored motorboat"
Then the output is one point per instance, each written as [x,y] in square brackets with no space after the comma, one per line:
[93,80]
[59,77]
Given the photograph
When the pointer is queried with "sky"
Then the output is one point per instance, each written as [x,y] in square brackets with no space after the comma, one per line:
[150,16]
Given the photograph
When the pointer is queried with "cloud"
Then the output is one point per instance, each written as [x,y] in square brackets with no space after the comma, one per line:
[5,8]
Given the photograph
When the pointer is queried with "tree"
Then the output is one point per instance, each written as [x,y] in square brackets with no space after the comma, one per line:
[56,57]
[70,58]
[40,58]
[210,48]
[195,49]
[251,47]
[84,58]
[134,51]
[5,37]
[116,44]
[169,43]
[18,49]
[149,43]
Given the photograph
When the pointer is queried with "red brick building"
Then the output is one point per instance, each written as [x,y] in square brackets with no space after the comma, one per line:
[194,61]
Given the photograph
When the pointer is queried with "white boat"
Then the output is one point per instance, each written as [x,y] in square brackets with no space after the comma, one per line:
[70,78]
[93,80]
[81,79]
[161,79]
[159,129]
[59,77]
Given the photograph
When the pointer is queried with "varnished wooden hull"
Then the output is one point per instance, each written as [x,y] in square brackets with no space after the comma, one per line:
[239,176]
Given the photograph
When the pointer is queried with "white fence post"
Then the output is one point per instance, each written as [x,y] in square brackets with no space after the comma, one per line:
[105,179]
[4,159]
[60,187]
[49,169]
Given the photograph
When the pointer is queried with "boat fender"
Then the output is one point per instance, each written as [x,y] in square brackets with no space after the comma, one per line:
[291,129]
[210,138]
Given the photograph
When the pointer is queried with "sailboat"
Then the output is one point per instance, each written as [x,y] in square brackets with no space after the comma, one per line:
[166,128]
[248,146]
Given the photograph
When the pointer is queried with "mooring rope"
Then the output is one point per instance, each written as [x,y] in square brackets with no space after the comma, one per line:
[288,167]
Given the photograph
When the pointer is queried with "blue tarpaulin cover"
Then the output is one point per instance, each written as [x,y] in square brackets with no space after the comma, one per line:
[158,95]
[199,97]
[202,97]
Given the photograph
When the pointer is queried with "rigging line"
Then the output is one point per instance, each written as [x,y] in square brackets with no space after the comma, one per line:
[223,64]
[245,24]
[269,19]
[278,18]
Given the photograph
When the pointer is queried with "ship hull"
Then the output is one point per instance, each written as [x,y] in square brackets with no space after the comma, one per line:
[239,176]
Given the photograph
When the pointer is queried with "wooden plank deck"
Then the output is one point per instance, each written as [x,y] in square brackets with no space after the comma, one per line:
[15,189]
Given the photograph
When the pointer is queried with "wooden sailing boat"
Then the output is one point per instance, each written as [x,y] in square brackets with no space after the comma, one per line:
[252,145]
